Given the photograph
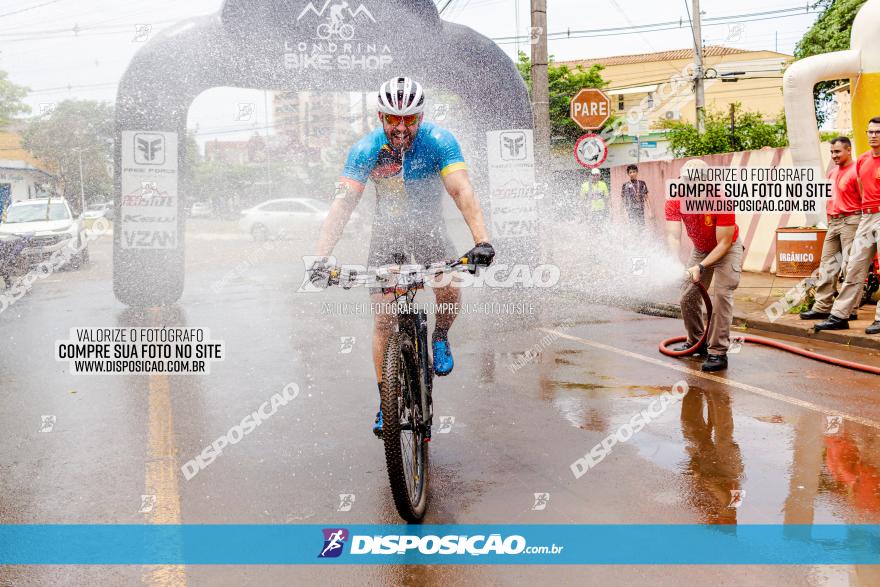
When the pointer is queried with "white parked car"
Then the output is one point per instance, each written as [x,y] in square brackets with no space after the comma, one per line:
[98,210]
[200,209]
[284,217]
[50,226]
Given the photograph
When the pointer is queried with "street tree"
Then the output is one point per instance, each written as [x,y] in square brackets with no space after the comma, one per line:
[11,96]
[748,131]
[73,128]
[564,83]
[830,32]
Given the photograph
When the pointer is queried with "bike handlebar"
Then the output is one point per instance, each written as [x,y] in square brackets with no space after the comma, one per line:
[380,275]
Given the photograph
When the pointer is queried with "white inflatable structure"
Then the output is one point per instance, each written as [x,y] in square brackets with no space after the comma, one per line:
[861,63]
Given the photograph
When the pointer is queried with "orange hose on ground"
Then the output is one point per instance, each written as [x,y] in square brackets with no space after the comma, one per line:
[664,346]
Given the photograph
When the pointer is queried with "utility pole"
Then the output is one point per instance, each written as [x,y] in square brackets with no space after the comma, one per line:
[268,154]
[540,83]
[700,99]
[82,189]
[733,144]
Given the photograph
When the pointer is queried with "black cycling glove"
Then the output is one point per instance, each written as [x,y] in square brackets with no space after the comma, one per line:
[480,256]
[319,272]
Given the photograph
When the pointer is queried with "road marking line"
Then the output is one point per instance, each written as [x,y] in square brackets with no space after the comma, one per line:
[744,386]
[161,476]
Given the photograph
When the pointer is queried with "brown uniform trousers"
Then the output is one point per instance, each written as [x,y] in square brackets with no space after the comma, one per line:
[726,273]
[861,256]
[835,252]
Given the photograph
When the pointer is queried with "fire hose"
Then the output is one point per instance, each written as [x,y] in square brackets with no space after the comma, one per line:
[664,346]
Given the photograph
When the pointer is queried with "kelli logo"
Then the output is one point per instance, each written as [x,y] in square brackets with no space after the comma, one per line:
[335,45]
[334,541]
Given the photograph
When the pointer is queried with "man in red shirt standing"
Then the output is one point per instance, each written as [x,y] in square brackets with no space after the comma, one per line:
[864,246]
[844,212]
[717,253]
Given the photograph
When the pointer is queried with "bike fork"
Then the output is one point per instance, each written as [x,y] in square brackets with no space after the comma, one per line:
[425,372]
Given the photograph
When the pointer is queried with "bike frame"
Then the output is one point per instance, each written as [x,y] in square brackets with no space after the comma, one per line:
[412,324]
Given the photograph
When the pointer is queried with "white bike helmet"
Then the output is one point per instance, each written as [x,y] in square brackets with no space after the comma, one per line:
[401,96]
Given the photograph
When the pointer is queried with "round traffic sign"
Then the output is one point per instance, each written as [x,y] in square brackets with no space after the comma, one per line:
[590,151]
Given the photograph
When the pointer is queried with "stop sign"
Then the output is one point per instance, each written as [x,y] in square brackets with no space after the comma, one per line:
[590,108]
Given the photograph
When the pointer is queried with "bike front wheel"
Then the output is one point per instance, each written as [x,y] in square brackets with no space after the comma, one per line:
[406,452]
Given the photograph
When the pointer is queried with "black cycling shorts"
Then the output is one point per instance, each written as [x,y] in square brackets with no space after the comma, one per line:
[421,247]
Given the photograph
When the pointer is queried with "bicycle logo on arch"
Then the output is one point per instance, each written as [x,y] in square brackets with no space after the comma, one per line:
[335,25]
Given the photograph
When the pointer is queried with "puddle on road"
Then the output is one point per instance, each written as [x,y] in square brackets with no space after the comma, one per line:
[739,458]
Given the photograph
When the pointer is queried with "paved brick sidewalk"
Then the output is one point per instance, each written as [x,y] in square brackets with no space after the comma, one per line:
[758,291]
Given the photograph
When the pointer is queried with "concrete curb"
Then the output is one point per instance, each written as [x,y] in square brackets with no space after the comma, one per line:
[740,320]
[836,336]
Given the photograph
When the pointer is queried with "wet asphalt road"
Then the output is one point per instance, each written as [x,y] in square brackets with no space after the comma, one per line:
[760,429]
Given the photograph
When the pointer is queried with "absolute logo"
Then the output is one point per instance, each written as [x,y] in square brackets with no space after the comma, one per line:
[335,45]
[334,541]
[148,195]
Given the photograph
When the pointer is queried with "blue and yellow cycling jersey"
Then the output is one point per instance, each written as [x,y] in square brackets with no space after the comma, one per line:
[408,187]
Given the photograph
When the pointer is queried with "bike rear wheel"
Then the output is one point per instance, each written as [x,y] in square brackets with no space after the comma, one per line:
[406,452]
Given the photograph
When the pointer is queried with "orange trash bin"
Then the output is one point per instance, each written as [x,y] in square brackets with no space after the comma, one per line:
[798,251]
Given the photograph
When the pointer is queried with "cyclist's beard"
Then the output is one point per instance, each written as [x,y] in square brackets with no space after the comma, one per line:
[401,141]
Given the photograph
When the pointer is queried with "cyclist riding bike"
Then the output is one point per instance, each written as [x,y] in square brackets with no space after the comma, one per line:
[404,159]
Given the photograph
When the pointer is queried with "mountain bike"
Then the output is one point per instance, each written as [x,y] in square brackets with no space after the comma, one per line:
[407,378]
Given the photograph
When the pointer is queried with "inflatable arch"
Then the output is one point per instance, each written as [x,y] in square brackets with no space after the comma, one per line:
[279,45]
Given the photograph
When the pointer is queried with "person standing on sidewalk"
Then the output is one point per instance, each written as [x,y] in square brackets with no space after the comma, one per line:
[717,253]
[594,192]
[864,246]
[844,213]
[634,194]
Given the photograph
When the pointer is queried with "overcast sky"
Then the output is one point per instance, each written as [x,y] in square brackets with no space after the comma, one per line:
[39,49]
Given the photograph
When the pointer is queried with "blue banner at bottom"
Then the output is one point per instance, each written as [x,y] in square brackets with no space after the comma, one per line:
[439,544]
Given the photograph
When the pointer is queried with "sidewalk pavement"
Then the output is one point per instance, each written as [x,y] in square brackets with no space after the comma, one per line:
[758,291]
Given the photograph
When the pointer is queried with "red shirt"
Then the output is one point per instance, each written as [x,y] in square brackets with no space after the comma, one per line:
[701,227]
[846,197]
[868,168]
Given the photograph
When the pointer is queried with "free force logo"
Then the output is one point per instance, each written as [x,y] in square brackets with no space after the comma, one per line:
[513,146]
[334,541]
[149,149]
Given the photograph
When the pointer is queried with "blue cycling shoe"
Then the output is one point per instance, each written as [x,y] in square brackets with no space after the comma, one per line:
[377,425]
[443,362]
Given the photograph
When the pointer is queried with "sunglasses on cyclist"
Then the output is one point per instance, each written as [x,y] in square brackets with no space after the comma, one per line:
[394,119]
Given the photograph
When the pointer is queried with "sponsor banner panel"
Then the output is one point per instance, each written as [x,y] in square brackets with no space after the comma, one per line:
[514,193]
[149,206]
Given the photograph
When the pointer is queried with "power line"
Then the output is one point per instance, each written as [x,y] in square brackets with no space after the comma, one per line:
[445,6]
[20,10]
[658,26]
